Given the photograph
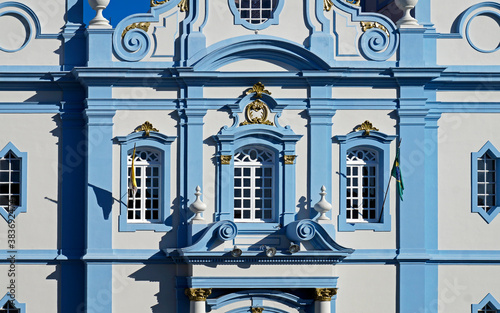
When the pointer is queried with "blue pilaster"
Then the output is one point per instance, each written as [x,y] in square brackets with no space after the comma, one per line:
[99,198]
[74,35]
[319,145]
[411,47]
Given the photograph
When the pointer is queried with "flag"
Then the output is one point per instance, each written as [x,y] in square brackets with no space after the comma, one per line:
[133,182]
[396,173]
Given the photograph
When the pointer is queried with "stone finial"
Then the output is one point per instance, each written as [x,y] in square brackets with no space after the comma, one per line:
[198,294]
[407,20]
[198,206]
[323,206]
[99,21]
[324,294]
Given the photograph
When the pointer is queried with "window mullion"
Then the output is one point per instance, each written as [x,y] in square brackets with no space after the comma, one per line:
[252,192]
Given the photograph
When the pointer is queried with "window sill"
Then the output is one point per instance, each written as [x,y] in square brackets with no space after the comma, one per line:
[131,227]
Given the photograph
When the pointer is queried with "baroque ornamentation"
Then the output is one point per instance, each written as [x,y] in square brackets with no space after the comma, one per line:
[324,294]
[198,294]
[355,2]
[183,5]
[289,159]
[327,5]
[142,25]
[225,159]
[368,25]
[257,112]
[257,310]
[146,127]
[367,126]
[259,89]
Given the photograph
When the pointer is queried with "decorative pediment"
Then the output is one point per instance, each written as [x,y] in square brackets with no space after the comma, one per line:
[322,248]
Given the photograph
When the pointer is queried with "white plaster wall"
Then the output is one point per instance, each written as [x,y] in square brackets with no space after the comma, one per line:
[460,286]
[252,65]
[460,134]
[143,288]
[30,96]
[298,121]
[36,286]
[143,93]
[38,51]
[282,92]
[363,93]
[366,288]
[220,23]
[448,48]
[265,270]
[344,122]
[125,122]
[468,97]
[38,135]
[214,121]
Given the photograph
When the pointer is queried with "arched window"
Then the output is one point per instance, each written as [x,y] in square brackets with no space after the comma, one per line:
[144,204]
[253,185]
[362,203]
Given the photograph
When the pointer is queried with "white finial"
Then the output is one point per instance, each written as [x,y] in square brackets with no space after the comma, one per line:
[198,206]
[323,206]
[407,20]
[99,21]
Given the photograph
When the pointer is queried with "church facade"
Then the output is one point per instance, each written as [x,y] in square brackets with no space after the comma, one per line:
[245,156]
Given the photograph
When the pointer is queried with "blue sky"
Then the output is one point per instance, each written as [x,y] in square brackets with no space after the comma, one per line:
[117,10]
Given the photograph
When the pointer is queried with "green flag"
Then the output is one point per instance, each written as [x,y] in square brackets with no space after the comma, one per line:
[396,173]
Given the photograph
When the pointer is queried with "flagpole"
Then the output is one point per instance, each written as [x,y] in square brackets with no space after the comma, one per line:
[387,189]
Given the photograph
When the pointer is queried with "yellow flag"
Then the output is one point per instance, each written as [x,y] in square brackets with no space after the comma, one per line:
[133,182]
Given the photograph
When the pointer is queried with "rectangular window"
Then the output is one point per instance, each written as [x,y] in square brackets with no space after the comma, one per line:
[256,11]
[361,193]
[486,182]
[10,181]
[144,203]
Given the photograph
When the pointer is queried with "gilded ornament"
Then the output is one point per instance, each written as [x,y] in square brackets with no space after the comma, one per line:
[289,159]
[142,25]
[324,294]
[225,159]
[327,5]
[368,25]
[256,113]
[146,127]
[257,310]
[183,4]
[259,89]
[367,126]
[198,294]
[355,2]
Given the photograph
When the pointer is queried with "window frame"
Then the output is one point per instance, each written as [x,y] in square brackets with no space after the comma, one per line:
[23,156]
[380,143]
[159,142]
[19,306]
[275,174]
[493,212]
[273,20]
[276,138]
[489,299]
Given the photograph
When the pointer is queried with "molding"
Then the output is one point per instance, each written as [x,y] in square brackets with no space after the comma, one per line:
[260,282]
[23,205]
[489,299]
[284,298]
[162,143]
[494,153]
[379,142]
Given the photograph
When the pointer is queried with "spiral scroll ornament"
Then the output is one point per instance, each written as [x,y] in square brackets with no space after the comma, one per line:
[134,43]
[377,45]
[305,230]
[227,231]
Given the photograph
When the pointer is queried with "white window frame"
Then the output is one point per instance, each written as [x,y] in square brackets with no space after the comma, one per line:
[357,166]
[141,167]
[253,165]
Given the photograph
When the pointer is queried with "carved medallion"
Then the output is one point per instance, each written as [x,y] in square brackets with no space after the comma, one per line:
[256,113]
